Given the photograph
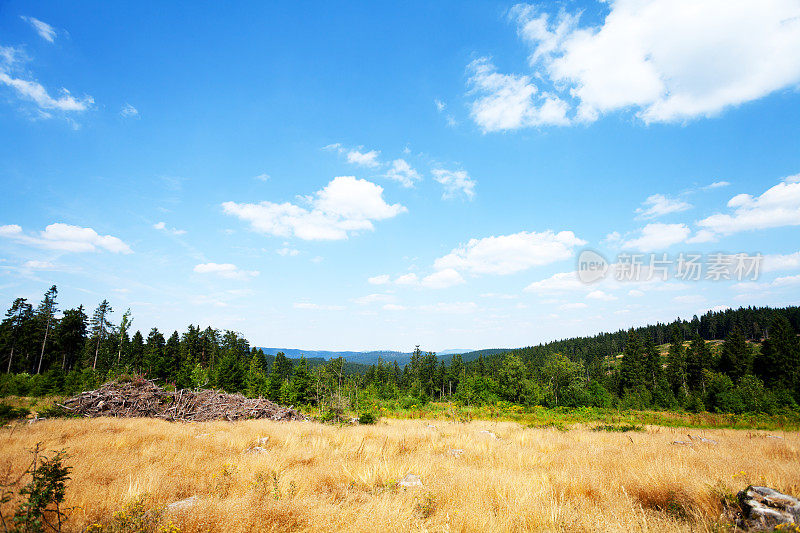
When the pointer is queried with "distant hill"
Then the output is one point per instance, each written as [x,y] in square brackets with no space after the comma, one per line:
[371,357]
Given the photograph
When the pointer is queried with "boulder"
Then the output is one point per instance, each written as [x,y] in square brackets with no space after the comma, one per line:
[256,450]
[410,480]
[765,508]
[183,504]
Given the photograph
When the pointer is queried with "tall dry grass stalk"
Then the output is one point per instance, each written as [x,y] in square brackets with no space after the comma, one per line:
[324,478]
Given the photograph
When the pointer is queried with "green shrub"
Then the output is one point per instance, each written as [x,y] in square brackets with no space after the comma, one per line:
[367,417]
[8,413]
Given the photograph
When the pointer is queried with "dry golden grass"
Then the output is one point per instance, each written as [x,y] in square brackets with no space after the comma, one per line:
[325,478]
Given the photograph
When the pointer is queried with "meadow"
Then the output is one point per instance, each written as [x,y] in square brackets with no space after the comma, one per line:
[475,476]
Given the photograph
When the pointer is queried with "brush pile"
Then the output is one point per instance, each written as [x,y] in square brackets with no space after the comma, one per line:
[143,398]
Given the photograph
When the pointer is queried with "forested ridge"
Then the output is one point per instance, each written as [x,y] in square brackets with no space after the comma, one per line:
[743,360]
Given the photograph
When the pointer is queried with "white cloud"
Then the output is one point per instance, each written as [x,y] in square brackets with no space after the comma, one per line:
[600,295]
[45,30]
[507,254]
[364,159]
[225,270]
[702,236]
[403,173]
[774,262]
[659,205]
[455,182]
[39,265]
[374,298]
[658,236]
[286,251]
[10,230]
[407,279]
[67,238]
[440,105]
[162,226]
[572,306]
[451,307]
[34,91]
[716,185]
[778,206]
[394,307]
[128,111]
[560,282]
[636,293]
[317,307]
[666,60]
[346,205]
[262,177]
[442,279]
[509,102]
[379,280]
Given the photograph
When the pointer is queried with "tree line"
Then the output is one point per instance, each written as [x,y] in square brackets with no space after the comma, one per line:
[733,361]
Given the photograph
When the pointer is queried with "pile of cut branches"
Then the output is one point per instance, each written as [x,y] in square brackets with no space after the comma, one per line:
[143,398]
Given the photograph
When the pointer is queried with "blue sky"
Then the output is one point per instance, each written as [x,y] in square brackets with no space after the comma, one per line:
[378,176]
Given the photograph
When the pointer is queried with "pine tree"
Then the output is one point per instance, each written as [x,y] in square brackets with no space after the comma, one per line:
[70,336]
[301,382]
[124,325]
[632,368]
[652,364]
[16,317]
[676,364]
[100,324]
[698,361]
[779,362]
[45,313]
[736,357]
[255,382]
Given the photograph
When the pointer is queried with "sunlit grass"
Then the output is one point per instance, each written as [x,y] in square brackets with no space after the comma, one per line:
[317,477]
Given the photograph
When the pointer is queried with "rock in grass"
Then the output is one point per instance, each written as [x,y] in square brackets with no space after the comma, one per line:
[410,480]
[183,504]
[256,450]
[703,439]
[488,434]
[765,508]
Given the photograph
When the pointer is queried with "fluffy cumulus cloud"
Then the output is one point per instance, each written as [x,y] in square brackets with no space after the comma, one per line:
[357,156]
[442,279]
[455,183]
[657,236]
[225,270]
[508,102]
[45,30]
[66,238]
[666,60]
[659,205]
[345,206]
[507,254]
[778,206]
[365,159]
[402,173]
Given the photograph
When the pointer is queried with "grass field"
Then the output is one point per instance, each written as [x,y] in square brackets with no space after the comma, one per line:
[317,477]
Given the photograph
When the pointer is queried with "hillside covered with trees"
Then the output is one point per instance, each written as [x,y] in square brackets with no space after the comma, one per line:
[744,360]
